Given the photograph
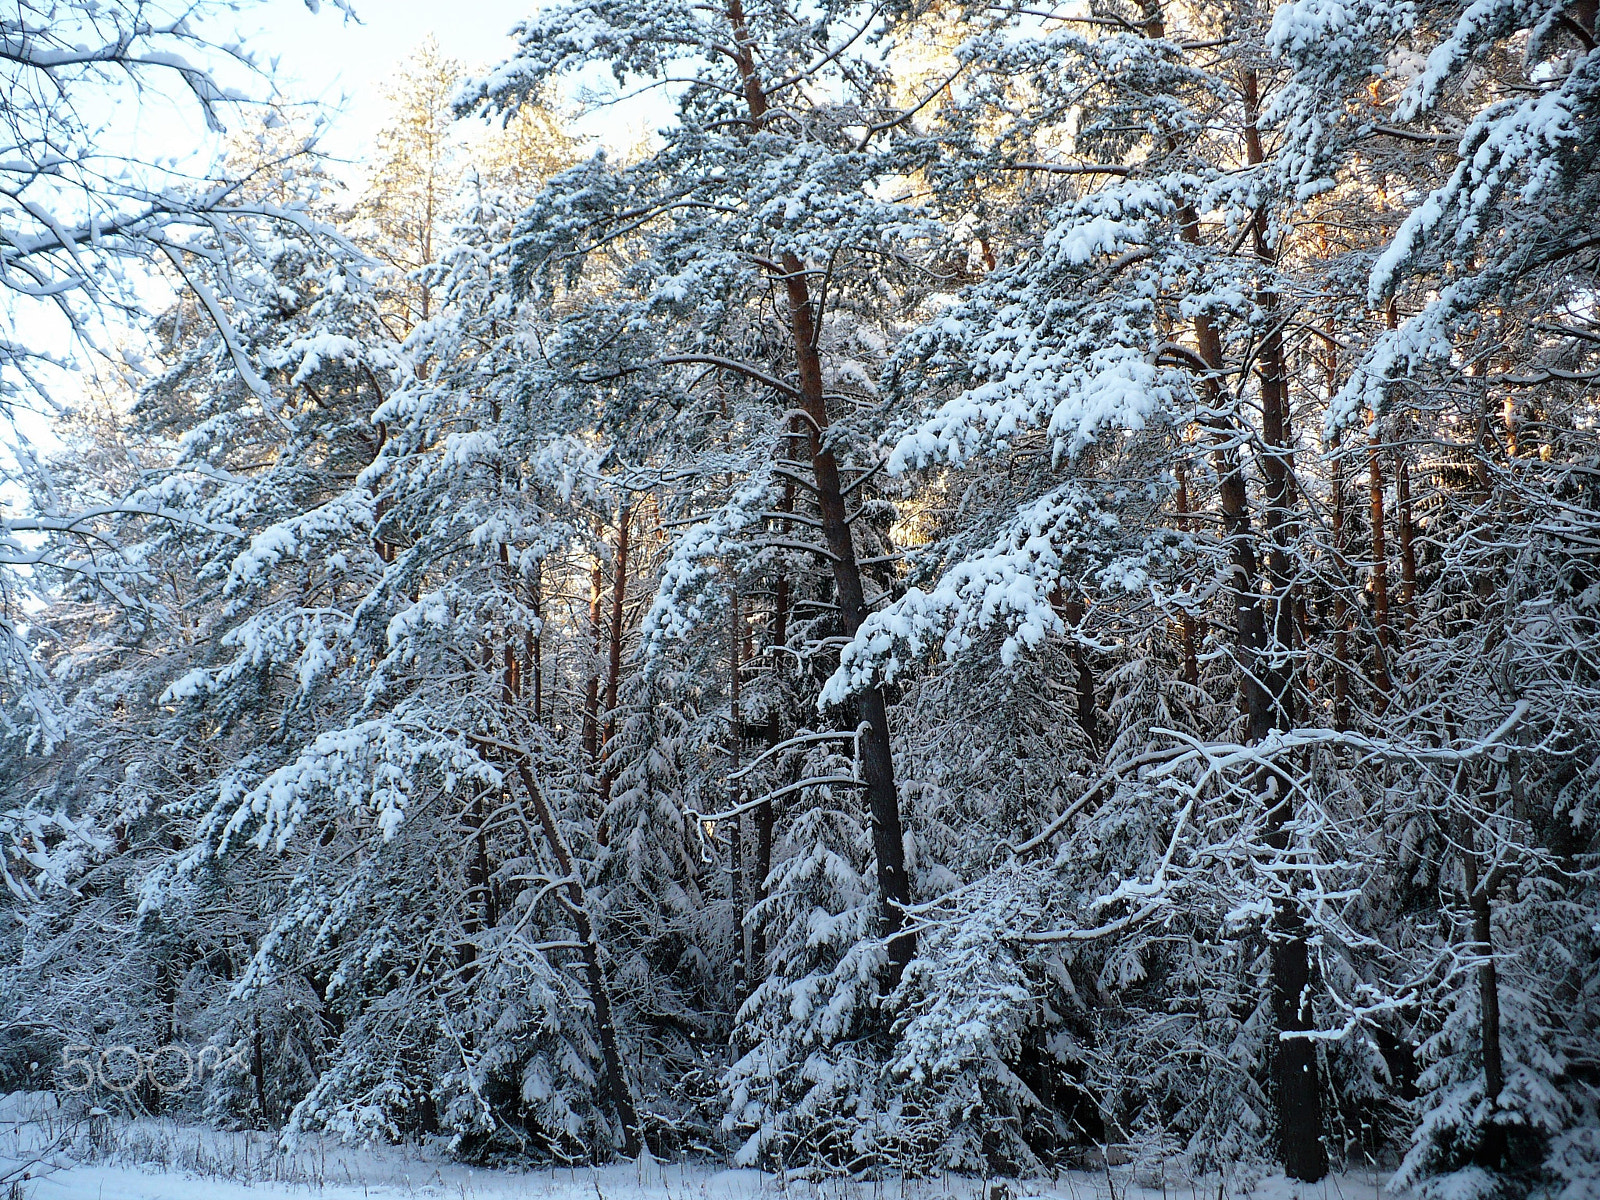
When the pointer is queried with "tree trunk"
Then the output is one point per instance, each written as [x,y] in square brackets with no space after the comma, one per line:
[479,899]
[1341,566]
[1408,549]
[534,648]
[511,670]
[1249,632]
[762,866]
[1186,622]
[1341,607]
[619,590]
[1266,677]
[877,764]
[1298,1092]
[258,1071]
[591,691]
[736,883]
[1299,1088]
[618,1090]
[1480,895]
[1380,555]
[1072,613]
[1299,1097]
[1494,1071]
[1380,578]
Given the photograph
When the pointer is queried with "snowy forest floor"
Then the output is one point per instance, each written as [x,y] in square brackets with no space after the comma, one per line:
[51,1156]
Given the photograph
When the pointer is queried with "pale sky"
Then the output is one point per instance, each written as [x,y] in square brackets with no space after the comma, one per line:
[320,57]
[329,58]
[325,56]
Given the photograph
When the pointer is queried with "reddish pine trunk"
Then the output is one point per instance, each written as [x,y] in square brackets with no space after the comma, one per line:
[877,762]
[591,691]
[1186,622]
[1408,550]
[619,591]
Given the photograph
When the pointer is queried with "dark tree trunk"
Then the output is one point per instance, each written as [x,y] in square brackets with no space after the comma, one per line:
[534,647]
[1494,1071]
[479,899]
[763,817]
[258,1070]
[1299,1088]
[1341,566]
[1186,622]
[736,881]
[1408,549]
[1400,1057]
[1268,706]
[760,869]
[618,1090]
[877,764]
[511,673]
[1072,613]
[1480,896]
[1380,580]
[1262,648]
[619,591]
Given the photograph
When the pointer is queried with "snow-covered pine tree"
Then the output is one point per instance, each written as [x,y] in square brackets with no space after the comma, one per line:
[428,721]
[1143,338]
[767,186]
[1482,365]
[88,222]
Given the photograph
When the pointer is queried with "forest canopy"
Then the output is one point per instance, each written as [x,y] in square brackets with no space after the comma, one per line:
[1010,580]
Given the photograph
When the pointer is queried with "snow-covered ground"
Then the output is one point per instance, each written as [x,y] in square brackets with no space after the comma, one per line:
[163,1160]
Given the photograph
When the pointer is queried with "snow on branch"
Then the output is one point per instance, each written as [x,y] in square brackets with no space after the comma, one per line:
[1540,137]
[1043,345]
[348,513]
[371,767]
[688,573]
[1011,582]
